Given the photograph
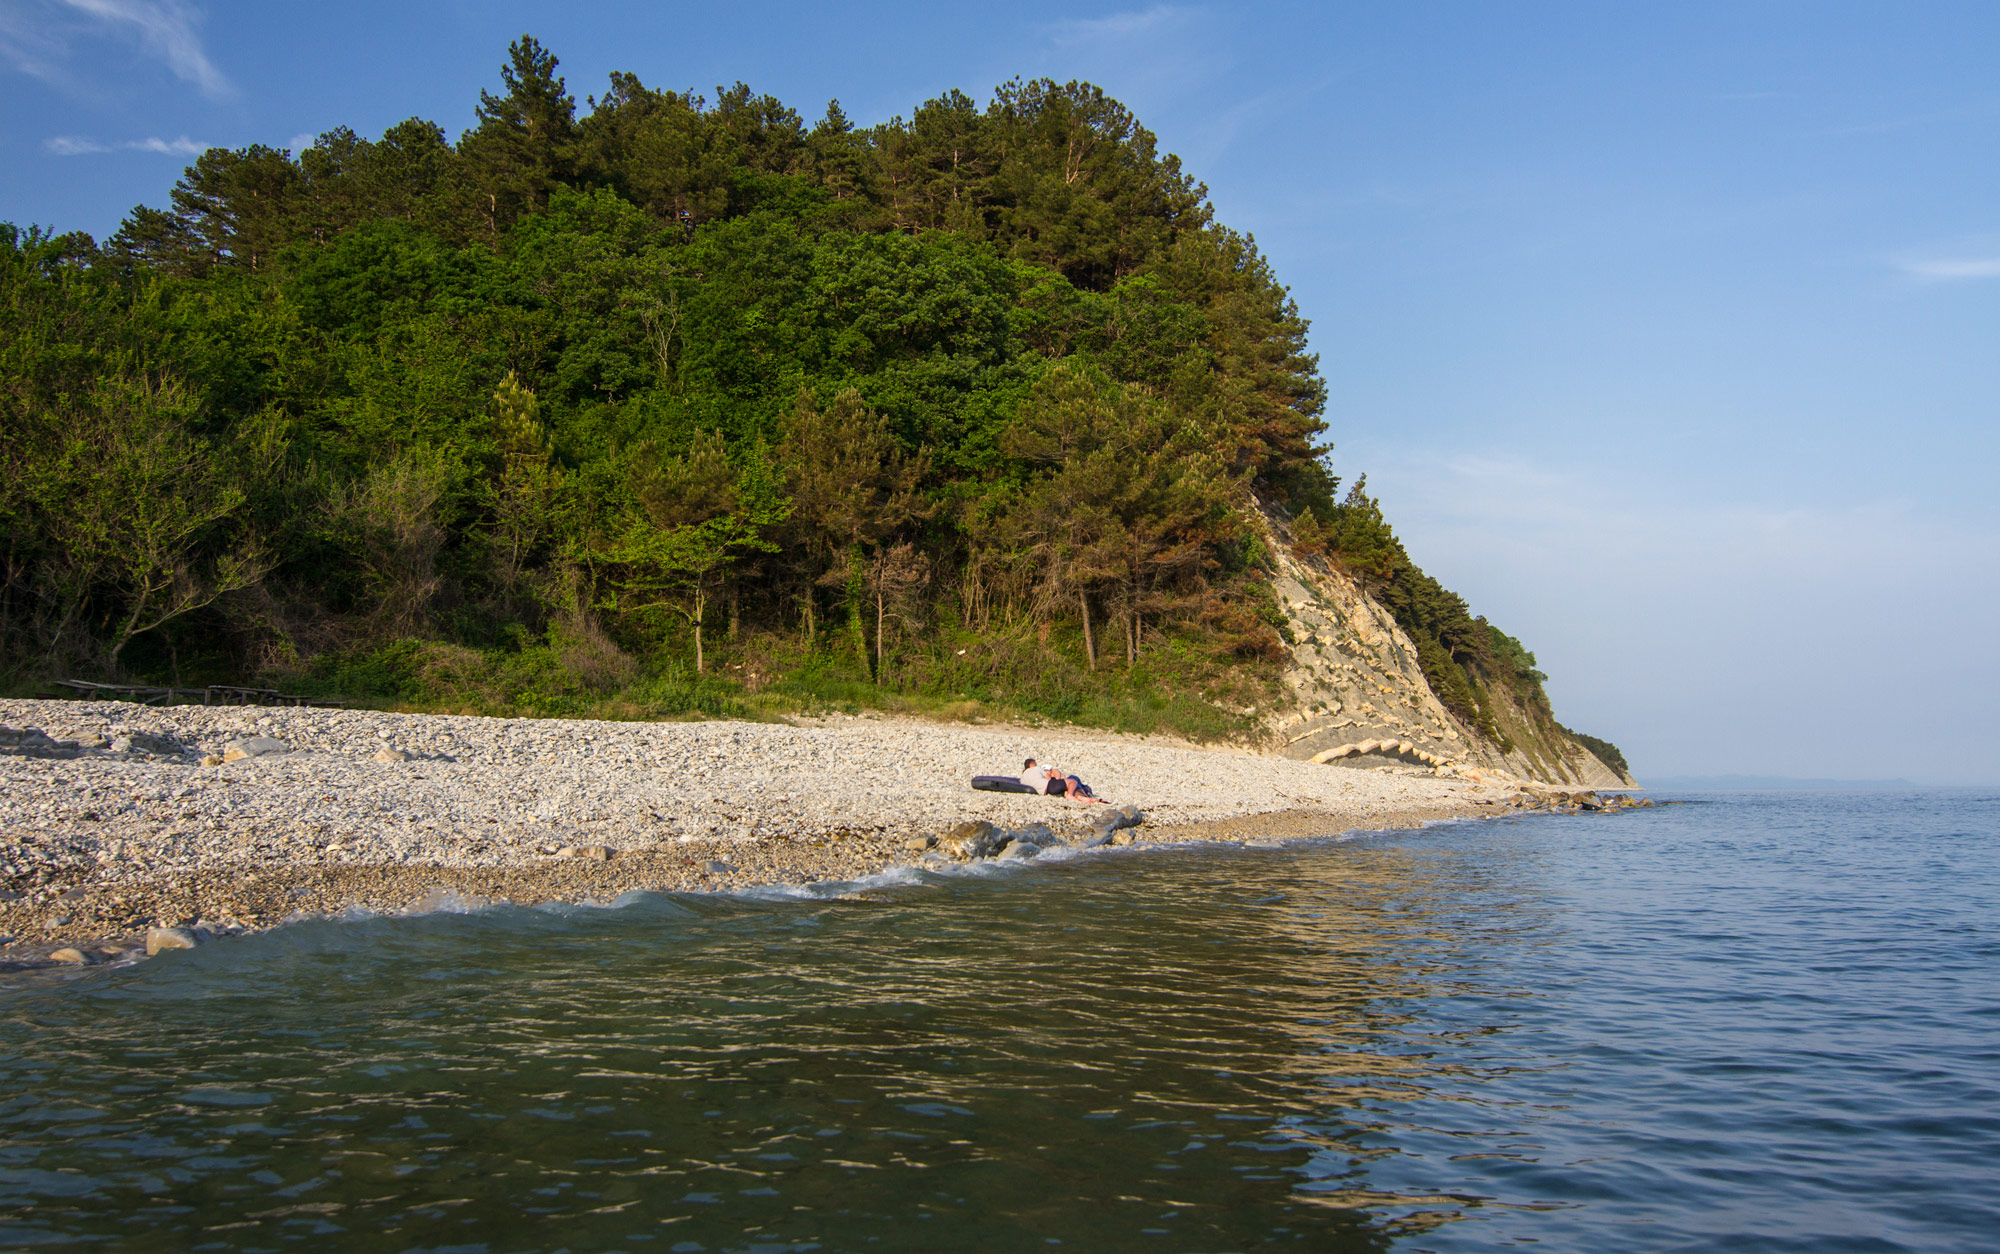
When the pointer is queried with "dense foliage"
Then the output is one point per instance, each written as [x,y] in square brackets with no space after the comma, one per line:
[971,404]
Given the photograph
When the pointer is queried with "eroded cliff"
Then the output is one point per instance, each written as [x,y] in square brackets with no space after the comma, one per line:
[1358,695]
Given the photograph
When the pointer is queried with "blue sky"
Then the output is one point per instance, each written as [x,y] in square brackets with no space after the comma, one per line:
[1666,333]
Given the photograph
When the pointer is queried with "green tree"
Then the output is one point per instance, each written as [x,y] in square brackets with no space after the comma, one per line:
[851,488]
[700,516]
[524,145]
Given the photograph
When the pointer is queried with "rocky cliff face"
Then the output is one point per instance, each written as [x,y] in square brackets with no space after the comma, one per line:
[1359,697]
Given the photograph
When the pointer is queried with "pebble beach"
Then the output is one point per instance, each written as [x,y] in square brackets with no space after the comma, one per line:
[119,820]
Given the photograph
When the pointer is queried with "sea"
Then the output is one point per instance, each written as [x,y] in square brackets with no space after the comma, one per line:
[1748,1021]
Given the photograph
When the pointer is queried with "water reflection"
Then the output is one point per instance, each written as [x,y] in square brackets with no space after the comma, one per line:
[1115,1052]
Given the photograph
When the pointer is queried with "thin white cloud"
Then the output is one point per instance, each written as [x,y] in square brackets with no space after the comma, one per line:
[74,146]
[39,38]
[29,45]
[166,29]
[82,146]
[1119,25]
[182,147]
[1953,269]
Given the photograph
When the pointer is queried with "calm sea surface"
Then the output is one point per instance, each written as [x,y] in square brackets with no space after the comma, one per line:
[1759,1022]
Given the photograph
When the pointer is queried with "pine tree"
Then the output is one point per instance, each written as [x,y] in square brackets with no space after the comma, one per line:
[525,142]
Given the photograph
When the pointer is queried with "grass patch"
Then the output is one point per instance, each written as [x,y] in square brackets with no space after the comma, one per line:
[1176,688]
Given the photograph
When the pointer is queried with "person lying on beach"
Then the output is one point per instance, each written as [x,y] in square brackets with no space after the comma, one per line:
[1051,781]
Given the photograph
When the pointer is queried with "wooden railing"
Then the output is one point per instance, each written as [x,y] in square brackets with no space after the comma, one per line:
[214,694]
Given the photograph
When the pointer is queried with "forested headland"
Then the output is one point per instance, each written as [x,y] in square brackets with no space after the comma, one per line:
[672,404]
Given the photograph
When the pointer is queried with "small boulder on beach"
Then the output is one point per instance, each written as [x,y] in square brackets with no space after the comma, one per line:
[974,839]
[253,747]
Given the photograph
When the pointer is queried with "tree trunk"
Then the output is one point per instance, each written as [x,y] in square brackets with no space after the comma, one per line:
[735,612]
[878,636]
[700,608]
[1089,644]
[810,632]
[1131,642]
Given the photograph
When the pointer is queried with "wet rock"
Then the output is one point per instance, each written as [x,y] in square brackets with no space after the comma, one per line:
[967,841]
[253,747]
[719,868]
[918,844]
[161,939]
[71,957]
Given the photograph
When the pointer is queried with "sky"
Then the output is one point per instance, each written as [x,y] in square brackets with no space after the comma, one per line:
[1667,334]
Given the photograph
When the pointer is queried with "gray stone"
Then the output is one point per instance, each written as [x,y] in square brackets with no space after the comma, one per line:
[161,939]
[719,868]
[253,747]
[1019,851]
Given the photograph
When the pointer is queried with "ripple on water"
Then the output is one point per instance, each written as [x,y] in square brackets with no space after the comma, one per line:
[1765,1024]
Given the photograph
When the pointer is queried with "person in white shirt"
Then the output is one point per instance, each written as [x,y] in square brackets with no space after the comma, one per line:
[1035,777]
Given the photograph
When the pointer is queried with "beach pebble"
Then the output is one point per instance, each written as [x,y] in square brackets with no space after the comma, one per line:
[73,957]
[161,939]
[388,753]
[591,853]
[148,838]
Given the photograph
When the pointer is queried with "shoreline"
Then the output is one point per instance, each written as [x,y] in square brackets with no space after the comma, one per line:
[113,824]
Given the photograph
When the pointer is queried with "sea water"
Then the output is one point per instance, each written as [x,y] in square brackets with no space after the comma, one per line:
[1765,1022]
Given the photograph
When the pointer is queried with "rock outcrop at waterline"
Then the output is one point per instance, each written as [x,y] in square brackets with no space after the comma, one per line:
[1359,696]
